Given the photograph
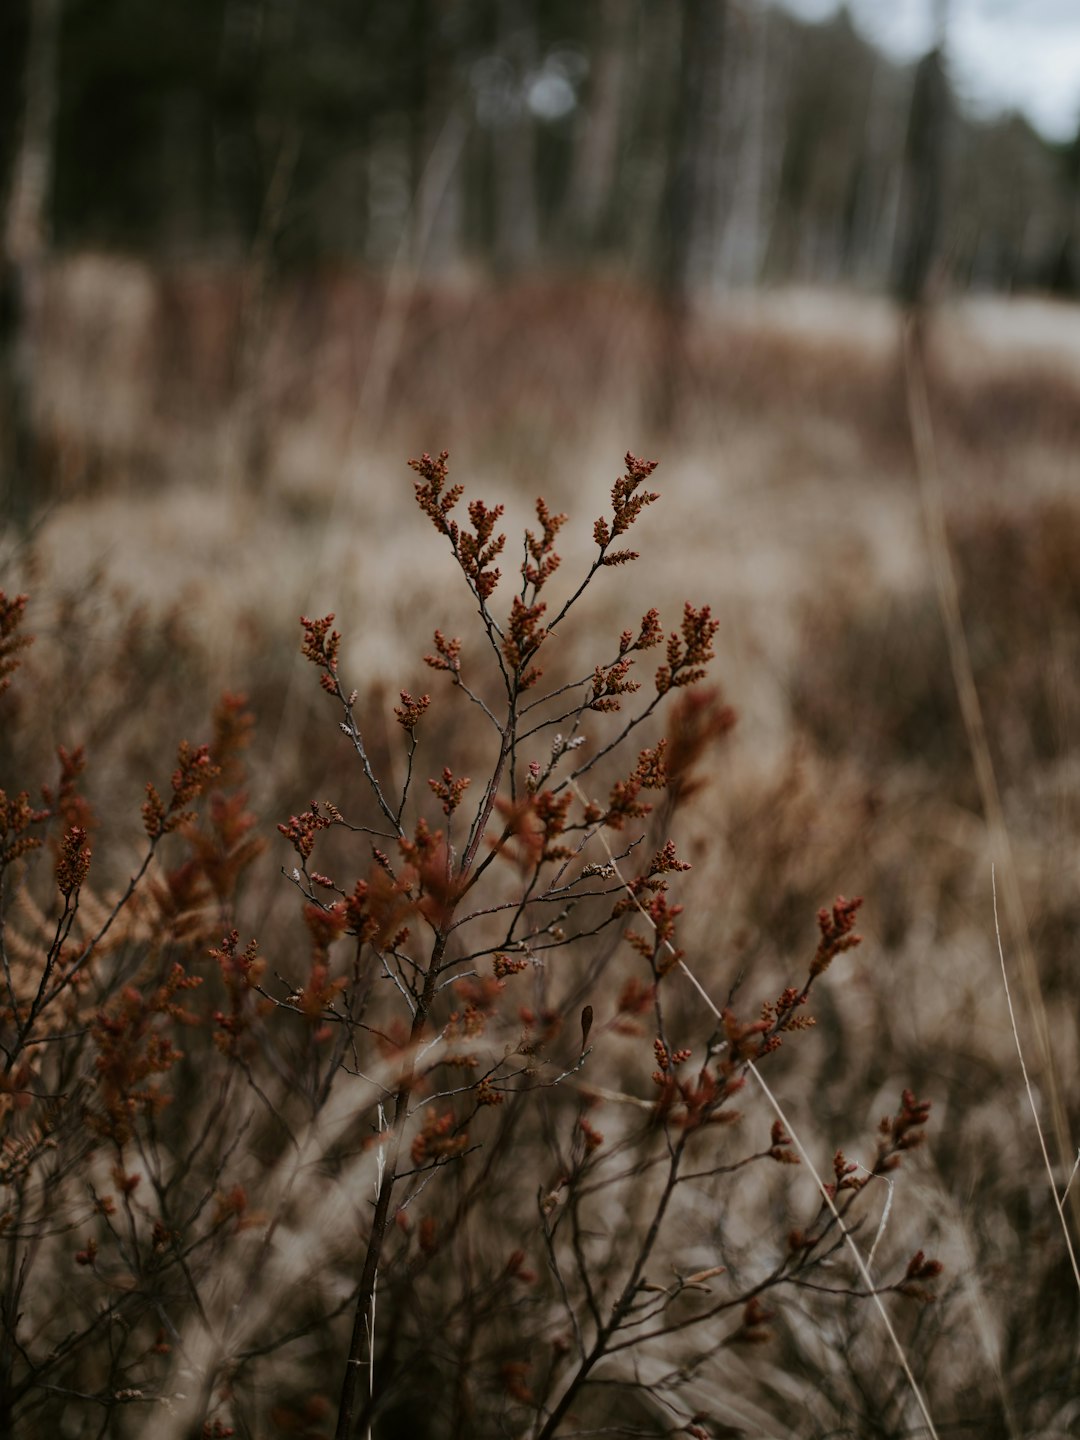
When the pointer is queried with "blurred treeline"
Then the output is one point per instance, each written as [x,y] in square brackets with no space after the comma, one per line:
[692,142]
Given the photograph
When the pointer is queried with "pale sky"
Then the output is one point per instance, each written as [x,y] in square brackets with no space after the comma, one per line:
[1003,54]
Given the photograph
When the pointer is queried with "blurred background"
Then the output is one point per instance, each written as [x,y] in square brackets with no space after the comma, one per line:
[257,252]
[206,202]
[712,143]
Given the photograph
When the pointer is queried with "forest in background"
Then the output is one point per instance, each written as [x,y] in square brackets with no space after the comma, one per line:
[700,143]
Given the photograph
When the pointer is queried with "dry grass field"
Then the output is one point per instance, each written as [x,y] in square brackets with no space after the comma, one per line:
[223,461]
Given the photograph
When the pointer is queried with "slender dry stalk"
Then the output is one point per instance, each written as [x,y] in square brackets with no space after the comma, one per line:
[1059,1205]
[380,1171]
[931,494]
[849,1241]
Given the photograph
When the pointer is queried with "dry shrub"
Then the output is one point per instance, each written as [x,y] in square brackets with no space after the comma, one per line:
[473,1102]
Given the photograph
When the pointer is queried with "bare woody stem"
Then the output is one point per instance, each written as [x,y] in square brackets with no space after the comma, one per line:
[46,994]
[382,1216]
[621,1308]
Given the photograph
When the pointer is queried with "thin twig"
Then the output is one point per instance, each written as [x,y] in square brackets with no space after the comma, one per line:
[1058,1205]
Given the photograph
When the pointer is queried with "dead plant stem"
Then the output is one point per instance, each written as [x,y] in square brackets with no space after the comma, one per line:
[1058,1199]
[931,494]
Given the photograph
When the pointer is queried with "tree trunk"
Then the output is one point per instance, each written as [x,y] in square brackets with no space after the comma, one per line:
[686,220]
[22,265]
[517,225]
[756,168]
[435,142]
[924,180]
[592,180]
